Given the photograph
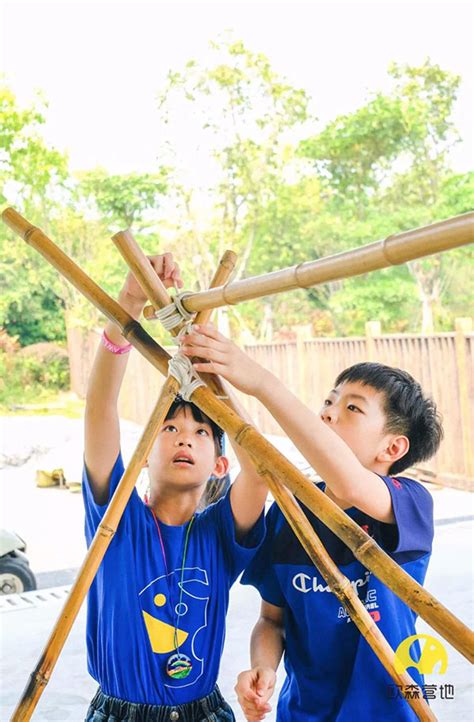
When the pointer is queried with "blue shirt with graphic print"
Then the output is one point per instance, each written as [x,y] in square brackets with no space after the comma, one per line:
[332,673]
[135,606]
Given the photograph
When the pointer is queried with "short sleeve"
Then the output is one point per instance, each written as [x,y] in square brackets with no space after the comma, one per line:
[94,512]
[261,572]
[238,554]
[413,511]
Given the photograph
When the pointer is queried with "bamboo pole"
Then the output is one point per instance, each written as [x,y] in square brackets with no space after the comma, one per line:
[142,269]
[41,675]
[395,249]
[364,548]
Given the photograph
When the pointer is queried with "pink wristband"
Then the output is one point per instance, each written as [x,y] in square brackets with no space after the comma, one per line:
[112,347]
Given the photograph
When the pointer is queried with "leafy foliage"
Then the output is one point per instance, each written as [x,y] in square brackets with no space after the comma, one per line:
[124,199]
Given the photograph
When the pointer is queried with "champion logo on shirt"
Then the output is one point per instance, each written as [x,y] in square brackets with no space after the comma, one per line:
[395,482]
[305,583]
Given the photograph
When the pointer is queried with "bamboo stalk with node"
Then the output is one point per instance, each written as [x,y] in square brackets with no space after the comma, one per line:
[395,249]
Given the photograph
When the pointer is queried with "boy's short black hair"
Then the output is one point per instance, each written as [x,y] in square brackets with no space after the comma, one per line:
[408,411]
[217,433]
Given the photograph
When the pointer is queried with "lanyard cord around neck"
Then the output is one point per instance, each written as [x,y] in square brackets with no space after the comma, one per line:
[185,550]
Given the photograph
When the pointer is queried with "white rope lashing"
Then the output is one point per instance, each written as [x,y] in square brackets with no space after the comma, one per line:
[180,367]
[174,313]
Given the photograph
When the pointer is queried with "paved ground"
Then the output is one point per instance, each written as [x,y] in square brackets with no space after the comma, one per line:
[51,522]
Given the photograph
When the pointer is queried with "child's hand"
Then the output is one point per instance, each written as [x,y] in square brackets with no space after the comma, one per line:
[254,688]
[167,271]
[223,357]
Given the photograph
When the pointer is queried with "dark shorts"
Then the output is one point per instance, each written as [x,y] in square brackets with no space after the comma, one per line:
[212,708]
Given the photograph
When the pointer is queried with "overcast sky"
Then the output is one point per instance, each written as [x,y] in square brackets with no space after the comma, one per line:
[100,64]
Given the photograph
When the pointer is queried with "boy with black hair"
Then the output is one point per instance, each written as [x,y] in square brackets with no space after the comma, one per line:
[156,610]
[374,423]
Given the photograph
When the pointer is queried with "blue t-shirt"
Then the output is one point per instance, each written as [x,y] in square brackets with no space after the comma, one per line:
[332,673]
[134,606]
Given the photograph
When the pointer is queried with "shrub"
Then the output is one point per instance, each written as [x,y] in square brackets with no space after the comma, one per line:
[28,374]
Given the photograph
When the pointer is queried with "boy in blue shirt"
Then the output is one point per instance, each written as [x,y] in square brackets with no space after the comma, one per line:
[156,610]
[374,423]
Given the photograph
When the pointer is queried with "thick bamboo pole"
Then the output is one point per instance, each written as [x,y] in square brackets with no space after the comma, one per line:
[43,670]
[363,547]
[399,248]
[141,269]
[343,589]
[41,674]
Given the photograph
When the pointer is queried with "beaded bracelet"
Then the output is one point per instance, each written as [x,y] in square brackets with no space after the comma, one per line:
[112,347]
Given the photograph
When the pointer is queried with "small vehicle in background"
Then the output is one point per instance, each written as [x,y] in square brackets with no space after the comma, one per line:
[15,573]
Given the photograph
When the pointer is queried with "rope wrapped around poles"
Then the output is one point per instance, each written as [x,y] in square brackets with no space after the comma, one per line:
[181,368]
[174,314]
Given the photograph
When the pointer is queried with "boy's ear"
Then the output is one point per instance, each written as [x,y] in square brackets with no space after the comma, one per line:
[221,466]
[396,448]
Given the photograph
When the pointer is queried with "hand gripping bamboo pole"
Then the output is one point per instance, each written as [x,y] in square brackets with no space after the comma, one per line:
[156,292]
[41,675]
[337,582]
[363,547]
[395,249]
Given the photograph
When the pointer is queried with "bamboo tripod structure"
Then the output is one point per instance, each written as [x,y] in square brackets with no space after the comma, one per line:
[338,583]
[363,547]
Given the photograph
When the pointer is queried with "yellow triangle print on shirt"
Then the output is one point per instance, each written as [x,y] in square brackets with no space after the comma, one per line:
[162,635]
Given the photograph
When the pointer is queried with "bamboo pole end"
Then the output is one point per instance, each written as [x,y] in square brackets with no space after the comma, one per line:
[117,237]
[17,223]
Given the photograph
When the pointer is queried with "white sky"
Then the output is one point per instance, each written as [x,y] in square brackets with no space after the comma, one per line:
[100,64]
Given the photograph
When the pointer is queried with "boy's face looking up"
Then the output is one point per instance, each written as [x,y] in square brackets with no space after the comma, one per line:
[184,453]
[356,413]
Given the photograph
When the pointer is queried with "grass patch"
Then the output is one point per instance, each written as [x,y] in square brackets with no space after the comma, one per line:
[41,402]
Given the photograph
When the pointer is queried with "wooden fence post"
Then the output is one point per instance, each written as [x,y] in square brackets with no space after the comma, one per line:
[372,329]
[462,327]
[302,334]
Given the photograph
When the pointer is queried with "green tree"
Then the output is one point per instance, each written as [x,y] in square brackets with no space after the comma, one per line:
[386,168]
[32,178]
[125,200]
[250,116]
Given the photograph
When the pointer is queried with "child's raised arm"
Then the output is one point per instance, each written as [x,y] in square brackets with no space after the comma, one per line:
[348,480]
[102,431]
[249,491]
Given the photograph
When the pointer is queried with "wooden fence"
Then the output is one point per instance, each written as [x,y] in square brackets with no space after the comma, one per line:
[443,363]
